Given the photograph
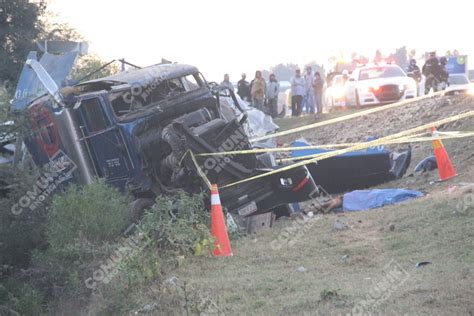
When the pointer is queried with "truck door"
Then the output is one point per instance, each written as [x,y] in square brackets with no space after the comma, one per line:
[104,141]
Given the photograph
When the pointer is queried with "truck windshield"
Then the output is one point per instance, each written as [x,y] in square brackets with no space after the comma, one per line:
[135,98]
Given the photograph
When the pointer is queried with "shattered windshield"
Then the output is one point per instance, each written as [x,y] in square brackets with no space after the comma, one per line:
[137,96]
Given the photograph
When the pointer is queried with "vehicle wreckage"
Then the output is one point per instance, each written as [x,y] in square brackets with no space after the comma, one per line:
[135,129]
[140,129]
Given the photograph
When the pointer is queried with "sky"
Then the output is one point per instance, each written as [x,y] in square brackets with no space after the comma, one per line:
[247,35]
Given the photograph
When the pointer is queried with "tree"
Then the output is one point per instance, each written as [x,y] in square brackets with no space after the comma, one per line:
[401,57]
[90,63]
[20,26]
[266,74]
[60,32]
[22,23]
[284,72]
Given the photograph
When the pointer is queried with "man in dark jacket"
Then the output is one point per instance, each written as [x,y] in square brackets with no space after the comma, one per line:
[243,88]
[443,75]
[414,71]
[431,70]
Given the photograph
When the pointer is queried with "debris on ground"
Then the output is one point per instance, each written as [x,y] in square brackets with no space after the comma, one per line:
[339,225]
[301,269]
[427,164]
[422,264]
[148,308]
[172,280]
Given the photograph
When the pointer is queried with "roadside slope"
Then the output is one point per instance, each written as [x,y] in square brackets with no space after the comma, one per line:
[312,268]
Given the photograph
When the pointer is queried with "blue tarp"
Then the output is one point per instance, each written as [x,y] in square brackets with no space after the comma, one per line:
[302,143]
[366,199]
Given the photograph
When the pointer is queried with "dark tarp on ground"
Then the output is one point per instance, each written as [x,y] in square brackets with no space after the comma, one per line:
[354,170]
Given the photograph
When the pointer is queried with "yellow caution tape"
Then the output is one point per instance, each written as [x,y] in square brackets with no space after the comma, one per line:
[347,117]
[198,168]
[395,141]
[357,147]
[281,149]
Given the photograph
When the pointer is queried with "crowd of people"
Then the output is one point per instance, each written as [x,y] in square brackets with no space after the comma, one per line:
[259,93]
[434,70]
[307,89]
[436,75]
[306,92]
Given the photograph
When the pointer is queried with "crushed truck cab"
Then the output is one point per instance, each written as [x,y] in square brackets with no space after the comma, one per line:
[135,129]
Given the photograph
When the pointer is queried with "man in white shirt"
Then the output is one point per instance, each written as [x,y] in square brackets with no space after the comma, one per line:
[297,93]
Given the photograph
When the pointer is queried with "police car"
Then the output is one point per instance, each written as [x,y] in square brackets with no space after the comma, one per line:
[379,84]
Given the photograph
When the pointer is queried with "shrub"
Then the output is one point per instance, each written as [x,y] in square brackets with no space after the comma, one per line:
[96,213]
[174,225]
[177,224]
[82,226]
[22,232]
[19,297]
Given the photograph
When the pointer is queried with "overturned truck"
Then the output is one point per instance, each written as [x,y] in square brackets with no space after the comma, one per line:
[136,130]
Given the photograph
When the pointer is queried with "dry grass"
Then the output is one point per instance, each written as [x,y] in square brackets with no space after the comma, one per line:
[342,267]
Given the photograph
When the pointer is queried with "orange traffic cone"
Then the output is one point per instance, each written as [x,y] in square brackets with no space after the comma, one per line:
[445,167]
[218,229]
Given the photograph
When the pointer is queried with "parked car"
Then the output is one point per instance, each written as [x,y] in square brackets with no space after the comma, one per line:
[379,84]
[459,84]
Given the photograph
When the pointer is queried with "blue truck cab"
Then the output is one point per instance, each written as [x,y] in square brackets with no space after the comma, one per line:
[136,129]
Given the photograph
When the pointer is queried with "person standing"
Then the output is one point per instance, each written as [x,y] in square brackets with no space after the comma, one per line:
[443,75]
[273,89]
[243,88]
[309,91]
[257,90]
[226,83]
[431,70]
[318,85]
[297,93]
[413,71]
